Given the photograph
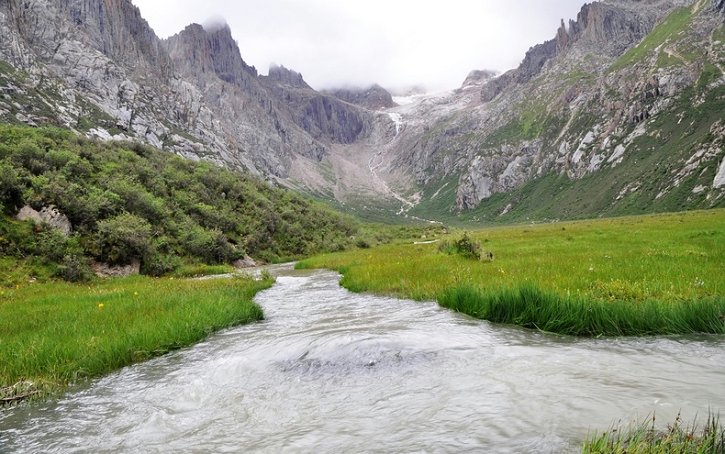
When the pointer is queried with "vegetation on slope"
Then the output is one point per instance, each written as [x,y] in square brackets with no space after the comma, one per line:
[54,334]
[673,24]
[129,202]
[624,276]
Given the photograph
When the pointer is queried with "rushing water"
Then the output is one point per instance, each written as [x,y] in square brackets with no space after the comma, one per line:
[331,371]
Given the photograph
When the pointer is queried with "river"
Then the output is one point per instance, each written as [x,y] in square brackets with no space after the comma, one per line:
[333,371]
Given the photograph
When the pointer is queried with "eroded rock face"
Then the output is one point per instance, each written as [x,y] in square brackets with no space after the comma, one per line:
[601,28]
[105,270]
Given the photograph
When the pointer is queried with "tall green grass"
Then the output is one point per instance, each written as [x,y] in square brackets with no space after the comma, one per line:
[530,307]
[645,438]
[55,334]
[636,275]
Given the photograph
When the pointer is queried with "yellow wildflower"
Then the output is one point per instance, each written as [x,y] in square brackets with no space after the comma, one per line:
[100,305]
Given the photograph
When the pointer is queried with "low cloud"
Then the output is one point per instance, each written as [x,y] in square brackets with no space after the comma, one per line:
[396,44]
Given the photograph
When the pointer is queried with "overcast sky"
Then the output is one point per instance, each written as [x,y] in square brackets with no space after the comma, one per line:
[396,43]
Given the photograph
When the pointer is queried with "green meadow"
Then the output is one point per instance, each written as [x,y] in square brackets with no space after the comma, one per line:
[656,274]
[55,334]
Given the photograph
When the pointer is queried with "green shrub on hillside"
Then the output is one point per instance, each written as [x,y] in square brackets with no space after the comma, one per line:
[123,238]
[131,202]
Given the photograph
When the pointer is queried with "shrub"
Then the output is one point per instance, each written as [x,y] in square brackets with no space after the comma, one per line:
[74,268]
[53,246]
[211,246]
[465,247]
[123,238]
[159,264]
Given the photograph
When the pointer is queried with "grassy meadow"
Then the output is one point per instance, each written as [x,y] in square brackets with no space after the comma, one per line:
[656,274]
[55,334]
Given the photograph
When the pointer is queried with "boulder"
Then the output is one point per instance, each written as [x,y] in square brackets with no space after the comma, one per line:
[47,215]
[246,262]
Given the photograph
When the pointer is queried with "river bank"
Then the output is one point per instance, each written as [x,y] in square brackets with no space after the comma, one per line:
[55,334]
[642,275]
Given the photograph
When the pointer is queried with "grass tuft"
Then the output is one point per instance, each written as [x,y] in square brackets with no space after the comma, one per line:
[530,307]
[645,438]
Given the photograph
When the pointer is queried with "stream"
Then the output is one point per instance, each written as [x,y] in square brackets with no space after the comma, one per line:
[332,371]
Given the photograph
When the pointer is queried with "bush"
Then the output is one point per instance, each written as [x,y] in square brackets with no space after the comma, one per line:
[465,247]
[74,268]
[160,264]
[123,238]
[210,246]
[53,246]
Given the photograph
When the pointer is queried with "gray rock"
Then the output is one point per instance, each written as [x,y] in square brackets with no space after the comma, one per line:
[47,215]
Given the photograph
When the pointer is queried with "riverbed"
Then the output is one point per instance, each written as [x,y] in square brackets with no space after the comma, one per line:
[333,371]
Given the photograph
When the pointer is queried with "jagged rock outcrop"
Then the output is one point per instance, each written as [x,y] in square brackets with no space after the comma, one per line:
[286,77]
[374,97]
[600,29]
[478,77]
[322,116]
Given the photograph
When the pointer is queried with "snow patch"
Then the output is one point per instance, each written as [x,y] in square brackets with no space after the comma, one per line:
[398,120]
[719,180]
[616,157]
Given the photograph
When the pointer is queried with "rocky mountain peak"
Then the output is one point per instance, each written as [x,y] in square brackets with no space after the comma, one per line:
[210,50]
[373,97]
[113,27]
[601,28]
[478,77]
[610,27]
[284,76]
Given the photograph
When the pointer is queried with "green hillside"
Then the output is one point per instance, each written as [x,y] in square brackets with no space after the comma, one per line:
[128,202]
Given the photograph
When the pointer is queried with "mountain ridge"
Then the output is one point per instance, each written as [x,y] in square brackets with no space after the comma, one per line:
[576,107]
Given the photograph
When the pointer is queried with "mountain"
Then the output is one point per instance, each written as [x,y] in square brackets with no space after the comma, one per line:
[620,112]
[97,67]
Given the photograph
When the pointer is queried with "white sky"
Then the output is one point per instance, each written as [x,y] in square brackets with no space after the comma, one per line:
[396,43]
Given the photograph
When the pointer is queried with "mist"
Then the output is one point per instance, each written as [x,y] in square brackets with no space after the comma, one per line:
[395,44]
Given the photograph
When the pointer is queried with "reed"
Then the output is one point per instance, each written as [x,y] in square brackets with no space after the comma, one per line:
[645,438]
[530,307]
